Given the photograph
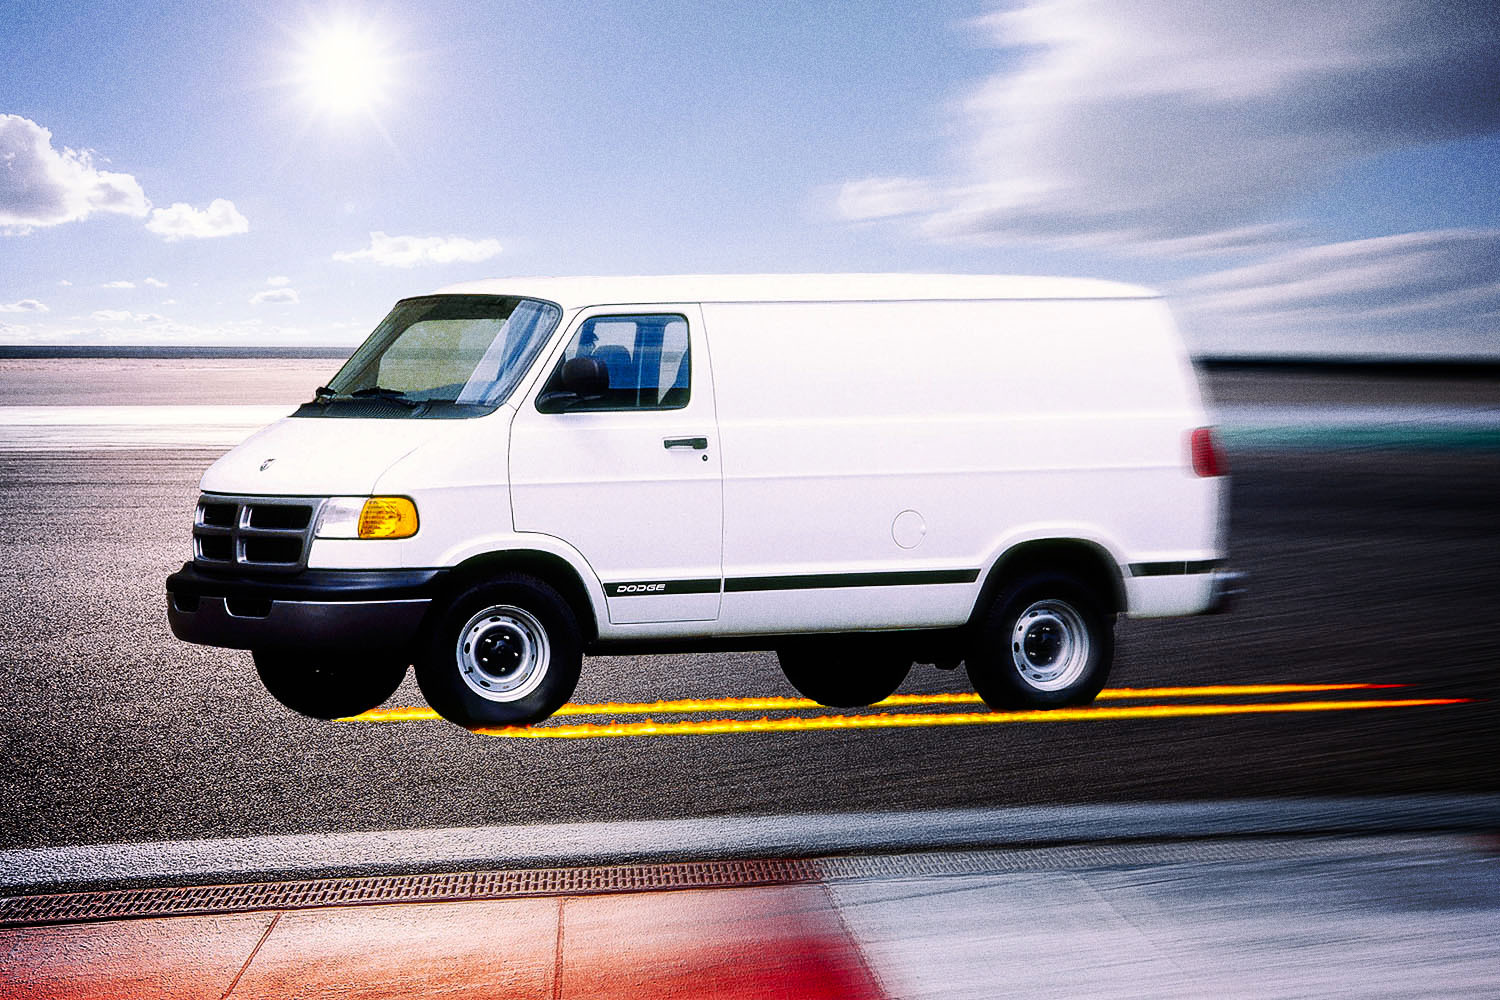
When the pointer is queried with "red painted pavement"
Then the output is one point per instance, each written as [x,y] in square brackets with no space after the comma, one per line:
[765,943]
[450,950]
[183,958]
[783,941]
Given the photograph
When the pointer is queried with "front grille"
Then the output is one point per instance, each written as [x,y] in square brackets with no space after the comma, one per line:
[287,517]
[216,548]
[280,551]
[218,515]
[270,534]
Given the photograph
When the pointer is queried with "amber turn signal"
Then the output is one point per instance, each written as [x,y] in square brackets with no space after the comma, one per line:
[388,517]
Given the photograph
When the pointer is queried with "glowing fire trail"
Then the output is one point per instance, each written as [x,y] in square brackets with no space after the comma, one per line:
[778,704]
[650,727]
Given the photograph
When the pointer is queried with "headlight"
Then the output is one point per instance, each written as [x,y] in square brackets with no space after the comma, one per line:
[368,517]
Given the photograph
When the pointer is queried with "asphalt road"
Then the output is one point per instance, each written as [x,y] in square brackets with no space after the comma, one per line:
[1367,567]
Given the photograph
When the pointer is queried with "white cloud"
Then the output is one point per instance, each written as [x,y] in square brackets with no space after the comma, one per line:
[278,281]
[1429,292]
[64,283]
[42,186]
[1265,237]
[23,306]
[1142,123]
[125,316]
[118,284]
[183,221]
[410,251]
[884,198]
[275,296]
[154,283]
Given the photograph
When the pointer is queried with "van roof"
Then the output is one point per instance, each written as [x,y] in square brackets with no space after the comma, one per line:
[574,292]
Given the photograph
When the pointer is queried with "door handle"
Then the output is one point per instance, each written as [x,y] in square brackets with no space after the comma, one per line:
[698,444]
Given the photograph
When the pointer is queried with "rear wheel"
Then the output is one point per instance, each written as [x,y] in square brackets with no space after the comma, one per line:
[503,653]
[330,686]
[844,671]
[1047,642]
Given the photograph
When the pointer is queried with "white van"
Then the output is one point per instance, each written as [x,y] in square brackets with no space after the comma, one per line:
[860,472]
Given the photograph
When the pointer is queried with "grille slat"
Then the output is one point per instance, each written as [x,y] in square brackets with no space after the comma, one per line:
[217,515]
[215,548]
[259,534]
[268,551]
[277,517]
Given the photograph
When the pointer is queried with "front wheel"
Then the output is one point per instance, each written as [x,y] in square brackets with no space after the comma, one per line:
[844,671]
[502,653]
[1047,642]
[331,686]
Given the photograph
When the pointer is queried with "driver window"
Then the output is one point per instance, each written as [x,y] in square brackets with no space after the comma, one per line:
[646,358]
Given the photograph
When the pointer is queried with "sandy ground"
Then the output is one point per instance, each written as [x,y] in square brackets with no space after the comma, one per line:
[152,382]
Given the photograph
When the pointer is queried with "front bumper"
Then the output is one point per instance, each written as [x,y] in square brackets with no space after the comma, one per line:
[313,609]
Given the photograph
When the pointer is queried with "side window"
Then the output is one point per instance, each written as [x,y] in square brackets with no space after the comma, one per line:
[646,358]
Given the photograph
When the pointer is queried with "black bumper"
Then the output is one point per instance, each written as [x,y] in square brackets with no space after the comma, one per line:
[1229,586]
[313,609]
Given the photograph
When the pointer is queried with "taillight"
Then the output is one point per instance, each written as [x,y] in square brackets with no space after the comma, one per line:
[1208,458]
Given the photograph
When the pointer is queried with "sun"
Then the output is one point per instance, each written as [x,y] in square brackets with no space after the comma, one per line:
[345,68]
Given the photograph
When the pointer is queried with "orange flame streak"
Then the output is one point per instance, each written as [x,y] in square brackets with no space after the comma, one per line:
[777,704]
[650,727]
[412,714]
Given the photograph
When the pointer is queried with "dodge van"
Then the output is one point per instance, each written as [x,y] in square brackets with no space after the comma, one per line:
[859,472]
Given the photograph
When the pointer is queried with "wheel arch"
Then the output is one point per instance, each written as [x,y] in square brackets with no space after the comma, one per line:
[1090,561]
[548,567]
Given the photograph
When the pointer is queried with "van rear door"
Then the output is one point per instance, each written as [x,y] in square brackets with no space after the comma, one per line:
[630,476]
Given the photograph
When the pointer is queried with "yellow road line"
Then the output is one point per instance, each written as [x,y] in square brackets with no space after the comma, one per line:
[778,704]
[650,727]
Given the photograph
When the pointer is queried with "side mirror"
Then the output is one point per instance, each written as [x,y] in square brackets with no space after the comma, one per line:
[579,380]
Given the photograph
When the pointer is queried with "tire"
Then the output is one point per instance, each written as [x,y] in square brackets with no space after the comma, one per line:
[1047,642]
[844,672]
[330,686]
[506,652]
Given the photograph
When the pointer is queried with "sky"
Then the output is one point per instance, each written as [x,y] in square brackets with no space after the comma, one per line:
[1299,178]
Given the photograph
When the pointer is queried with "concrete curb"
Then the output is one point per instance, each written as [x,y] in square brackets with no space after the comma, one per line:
[201,862]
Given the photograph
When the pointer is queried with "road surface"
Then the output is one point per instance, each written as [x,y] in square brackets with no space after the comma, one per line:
[1367,566]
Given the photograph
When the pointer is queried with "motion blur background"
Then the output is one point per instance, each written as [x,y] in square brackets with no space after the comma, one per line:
[203,206]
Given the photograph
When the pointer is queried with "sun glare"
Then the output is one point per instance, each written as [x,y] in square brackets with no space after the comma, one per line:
[345,68]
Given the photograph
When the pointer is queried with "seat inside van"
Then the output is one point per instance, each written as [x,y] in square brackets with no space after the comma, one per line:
[621,368]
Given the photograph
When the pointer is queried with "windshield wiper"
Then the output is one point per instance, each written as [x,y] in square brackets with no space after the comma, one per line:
[327,395]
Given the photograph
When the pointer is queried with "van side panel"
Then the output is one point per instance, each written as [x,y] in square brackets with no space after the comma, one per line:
[902,446]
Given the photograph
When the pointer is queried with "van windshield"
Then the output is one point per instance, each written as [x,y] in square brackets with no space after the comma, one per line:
[439,356]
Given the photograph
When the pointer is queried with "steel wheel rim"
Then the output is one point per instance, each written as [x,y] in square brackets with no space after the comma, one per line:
[503,653]
[1050,645]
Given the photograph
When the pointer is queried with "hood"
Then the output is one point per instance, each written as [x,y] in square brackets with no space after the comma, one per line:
[308,456]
